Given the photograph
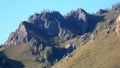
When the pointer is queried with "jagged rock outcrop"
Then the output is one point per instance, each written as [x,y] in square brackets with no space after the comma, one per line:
[69,48]
[50,25]
[79,19]
[48,22]
[21,35]
[118,25]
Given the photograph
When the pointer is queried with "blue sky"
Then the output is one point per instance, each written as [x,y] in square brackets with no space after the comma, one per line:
[12,12]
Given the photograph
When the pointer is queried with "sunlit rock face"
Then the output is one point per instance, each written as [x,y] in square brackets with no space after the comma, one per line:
[21,35]
[118,25]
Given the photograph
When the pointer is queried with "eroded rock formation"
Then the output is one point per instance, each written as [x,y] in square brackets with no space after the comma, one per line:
[118,25]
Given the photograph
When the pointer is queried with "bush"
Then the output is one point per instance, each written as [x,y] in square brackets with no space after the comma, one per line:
[47,52]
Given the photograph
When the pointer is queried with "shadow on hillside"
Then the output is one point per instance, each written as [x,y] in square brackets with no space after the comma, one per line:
[15,64]
[93,21]
[5,62]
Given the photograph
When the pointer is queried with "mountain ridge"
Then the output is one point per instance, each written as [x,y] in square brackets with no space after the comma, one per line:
[51,24]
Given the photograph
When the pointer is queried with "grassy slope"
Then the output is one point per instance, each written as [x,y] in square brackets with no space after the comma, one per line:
[103,52]
[22,53]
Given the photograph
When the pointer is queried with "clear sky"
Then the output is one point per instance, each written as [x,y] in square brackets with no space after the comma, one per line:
[12,12]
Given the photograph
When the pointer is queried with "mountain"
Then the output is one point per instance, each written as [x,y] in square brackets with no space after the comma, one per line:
[49,25]
[75,40]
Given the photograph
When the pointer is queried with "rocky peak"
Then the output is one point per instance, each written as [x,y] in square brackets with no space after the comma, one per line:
[49,16]
[21,35]
[79,14]
[79,18]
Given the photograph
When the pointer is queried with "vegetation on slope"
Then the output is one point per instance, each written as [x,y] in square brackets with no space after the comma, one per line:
[100,52]
[103,52]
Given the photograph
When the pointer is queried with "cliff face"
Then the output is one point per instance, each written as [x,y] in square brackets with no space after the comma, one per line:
[21,35]
[50,25]
[118,25]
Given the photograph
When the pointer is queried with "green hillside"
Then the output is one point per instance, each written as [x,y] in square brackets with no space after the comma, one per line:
[103,52]
[100,52]
[22,53]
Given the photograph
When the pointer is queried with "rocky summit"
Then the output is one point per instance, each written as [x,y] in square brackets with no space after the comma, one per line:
[50,25]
